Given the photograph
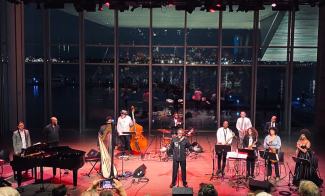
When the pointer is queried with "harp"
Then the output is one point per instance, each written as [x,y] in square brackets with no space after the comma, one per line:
[106,159]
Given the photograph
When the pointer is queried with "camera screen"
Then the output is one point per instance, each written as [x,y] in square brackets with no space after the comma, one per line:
[106,184]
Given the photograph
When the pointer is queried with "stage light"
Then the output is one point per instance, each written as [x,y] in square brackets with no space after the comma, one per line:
[170,5]
[211,10]
[107,4]
[218,5]
[273,4]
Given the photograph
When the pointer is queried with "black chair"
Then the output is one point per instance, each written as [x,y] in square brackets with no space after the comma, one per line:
[4,159]
[281,163]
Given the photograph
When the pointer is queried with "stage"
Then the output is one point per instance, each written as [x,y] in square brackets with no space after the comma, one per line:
[158,172]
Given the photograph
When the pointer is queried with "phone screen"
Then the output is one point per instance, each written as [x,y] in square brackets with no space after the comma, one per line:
[106,184]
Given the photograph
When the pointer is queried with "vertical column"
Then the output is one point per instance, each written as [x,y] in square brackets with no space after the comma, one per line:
[184,70]
[16,68]
[116,66]
[320,74]
[219,70]
[47,67]
[150,72]
[82,82]
[286,111]
[254,66]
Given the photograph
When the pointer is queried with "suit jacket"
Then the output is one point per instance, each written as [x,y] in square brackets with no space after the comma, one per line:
[246,143]
[268,125]
[114,134]
[17,142]
[175,128]
[51,134]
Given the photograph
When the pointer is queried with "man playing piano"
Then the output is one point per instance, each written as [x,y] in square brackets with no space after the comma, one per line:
[51,132]
[21,139]
[175,123]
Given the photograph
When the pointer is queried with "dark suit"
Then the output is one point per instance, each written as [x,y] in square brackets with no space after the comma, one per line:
[17,140]
[51,134]
[174,126]
[268,125]
[250,162]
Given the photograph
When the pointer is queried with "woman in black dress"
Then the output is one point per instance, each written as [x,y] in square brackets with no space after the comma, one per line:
[305,172]
[251,139]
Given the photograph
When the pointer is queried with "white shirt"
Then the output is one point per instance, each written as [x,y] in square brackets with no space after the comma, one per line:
[223,134]
[124,124]
[272,124]
[246,124]
[23,139]
[175,120]
[250,141]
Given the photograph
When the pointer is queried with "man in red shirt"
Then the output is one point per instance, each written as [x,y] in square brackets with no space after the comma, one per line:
[197,99]
[145,104]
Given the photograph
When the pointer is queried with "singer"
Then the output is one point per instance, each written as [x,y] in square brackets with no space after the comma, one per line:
[179,144]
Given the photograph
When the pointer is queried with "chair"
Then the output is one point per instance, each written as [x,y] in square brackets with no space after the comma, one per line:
[4,158]
[93,157]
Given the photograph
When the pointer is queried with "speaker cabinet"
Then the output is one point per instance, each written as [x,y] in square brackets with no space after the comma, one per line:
[182,191]
[255,185]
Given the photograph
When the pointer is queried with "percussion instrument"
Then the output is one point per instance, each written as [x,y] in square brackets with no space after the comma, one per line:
[170,101]
[166,141]
[164,131]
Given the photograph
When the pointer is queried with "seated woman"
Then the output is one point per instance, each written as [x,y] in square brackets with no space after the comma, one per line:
[305,172]
[251,139]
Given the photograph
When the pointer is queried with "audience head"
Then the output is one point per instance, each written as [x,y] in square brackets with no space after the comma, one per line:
[59,190]
[263,194]
[208,190]
[8,191]
[90,193]
[105,193]
[308,188]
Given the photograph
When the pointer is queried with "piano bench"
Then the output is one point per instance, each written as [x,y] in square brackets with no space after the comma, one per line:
[93,161]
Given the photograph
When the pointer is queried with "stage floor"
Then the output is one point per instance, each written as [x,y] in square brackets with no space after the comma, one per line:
[158,172]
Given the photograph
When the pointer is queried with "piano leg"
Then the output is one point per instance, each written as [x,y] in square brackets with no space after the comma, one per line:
[35,173]
[75,174]
[54,171]
[41,173]
[19,178]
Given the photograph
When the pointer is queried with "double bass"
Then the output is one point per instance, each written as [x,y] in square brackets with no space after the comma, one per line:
[138,141]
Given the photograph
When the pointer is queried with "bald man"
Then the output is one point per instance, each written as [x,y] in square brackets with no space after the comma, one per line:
[272,123]
[51,132]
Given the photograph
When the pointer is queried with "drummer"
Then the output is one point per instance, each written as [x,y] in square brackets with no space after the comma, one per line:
[175,123]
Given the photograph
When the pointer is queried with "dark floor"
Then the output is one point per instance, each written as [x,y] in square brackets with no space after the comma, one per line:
[158,173]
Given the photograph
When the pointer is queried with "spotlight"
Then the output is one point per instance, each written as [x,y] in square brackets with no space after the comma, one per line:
[100,7]
[218,5]
[211,10]
[273,4]
[170,5]
[107,4]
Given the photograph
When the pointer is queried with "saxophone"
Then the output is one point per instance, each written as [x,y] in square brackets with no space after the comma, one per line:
[233,135]
[251,146]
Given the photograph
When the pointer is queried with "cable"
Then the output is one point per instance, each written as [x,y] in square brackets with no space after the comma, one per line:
[141,187]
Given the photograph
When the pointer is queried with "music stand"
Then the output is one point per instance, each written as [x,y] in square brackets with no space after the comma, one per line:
[267,156]
[250,152]
[302,162]
[222,149]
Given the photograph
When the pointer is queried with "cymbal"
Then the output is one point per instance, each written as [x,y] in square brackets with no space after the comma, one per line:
[164,131]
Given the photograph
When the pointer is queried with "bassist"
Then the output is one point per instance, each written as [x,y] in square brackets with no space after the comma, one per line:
[124,123]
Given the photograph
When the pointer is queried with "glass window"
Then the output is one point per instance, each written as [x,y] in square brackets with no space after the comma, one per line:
[305,54]
[273,27]
[272,56]
[134,55]
[64,26]
[235,94]
[167,93]
[33,22]
[99,27]
[65,95]
[241,56]
[306,26]
[99,94]
[196,56]
[201,94]
[134,91]
[167,55]
[34,93]
[237,28]
[202,28]
[134,27]
[34,53]
[270,96]
[64,54]
[99,54]
[303,96]
[165,32]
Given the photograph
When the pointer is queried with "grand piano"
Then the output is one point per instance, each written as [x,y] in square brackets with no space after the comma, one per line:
[42,155]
